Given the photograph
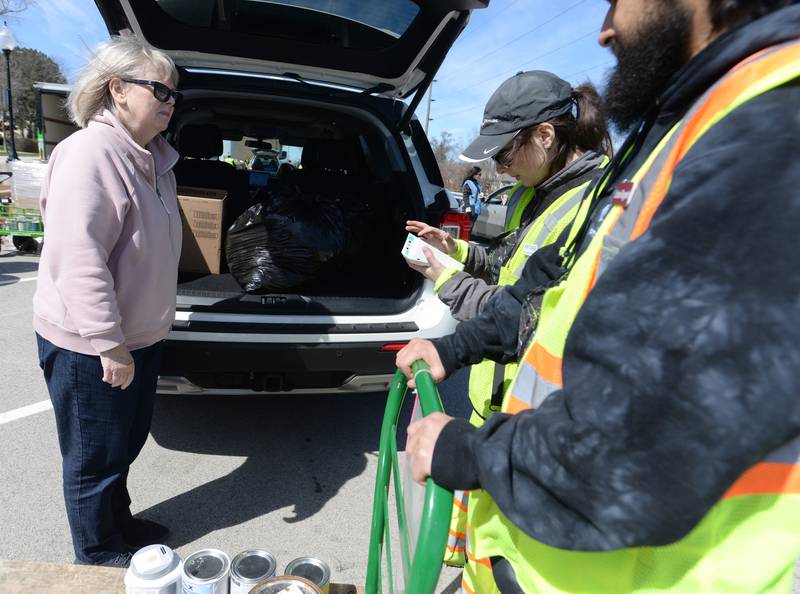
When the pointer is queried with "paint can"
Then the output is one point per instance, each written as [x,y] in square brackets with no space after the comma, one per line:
[313,569]
[206,572]
[248,568]
[154,569]
[286,583]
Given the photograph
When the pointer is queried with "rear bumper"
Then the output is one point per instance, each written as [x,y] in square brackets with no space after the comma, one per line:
[358,384]
[190,367]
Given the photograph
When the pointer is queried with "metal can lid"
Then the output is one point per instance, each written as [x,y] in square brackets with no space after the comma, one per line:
[206,565]
[311,568]
[276,585]
[253,565]
[154,561]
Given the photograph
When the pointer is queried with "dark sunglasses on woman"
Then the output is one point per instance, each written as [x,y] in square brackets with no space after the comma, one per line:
[502,157]
[160,91]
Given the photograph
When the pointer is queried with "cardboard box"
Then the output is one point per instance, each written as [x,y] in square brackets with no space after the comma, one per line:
[202,213]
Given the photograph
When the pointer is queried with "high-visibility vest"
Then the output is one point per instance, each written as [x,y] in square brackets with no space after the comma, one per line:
[488,381]
[521,197]
[748,541]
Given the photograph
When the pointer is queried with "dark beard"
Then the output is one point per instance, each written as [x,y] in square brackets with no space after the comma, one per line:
[645,65]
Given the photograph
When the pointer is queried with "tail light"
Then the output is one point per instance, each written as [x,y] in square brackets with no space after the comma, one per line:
[457,223]
[393,347]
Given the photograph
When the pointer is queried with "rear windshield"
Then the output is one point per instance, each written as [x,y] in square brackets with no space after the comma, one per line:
[391,17]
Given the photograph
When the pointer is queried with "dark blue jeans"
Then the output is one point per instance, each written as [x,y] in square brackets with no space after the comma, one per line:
[101,430]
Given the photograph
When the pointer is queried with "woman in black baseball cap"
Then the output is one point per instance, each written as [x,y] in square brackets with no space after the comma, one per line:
[548,136]
[553,139]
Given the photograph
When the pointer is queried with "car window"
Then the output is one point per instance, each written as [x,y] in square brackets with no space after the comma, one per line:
[501,196]
[391,17]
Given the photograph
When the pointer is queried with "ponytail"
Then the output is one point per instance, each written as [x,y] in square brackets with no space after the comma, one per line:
[586,130]
[591,131]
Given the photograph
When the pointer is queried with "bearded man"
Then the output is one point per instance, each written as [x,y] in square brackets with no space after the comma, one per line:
[651,440]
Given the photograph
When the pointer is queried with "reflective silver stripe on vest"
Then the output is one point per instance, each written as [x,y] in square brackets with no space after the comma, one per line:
[620,233]
[787,454]
[549,224]
[513,202]
[470,550]
[456,543]
[535,395]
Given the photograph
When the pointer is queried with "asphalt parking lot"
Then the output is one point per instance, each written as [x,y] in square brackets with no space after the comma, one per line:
[292,475]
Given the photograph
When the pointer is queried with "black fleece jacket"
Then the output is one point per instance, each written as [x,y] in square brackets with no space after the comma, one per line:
[681,369]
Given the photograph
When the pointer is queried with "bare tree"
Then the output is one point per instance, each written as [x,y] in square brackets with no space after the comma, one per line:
[454,171]
[12,6]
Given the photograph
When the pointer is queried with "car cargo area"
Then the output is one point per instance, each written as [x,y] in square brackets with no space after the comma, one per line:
[344,164]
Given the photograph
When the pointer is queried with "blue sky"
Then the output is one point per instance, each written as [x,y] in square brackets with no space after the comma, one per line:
[509,36]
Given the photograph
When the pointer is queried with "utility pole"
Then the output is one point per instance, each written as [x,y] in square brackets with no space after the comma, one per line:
[428,117]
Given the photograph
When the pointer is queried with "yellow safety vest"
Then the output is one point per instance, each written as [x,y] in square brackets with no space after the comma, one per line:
[748,541]
[521,197]
[487,378]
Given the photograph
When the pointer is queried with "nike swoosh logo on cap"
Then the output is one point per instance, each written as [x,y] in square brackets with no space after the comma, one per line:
[487,151]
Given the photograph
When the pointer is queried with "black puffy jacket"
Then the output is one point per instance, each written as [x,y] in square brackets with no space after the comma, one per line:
[682,368]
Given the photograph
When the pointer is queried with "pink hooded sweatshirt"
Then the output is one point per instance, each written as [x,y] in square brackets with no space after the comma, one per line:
[108,271]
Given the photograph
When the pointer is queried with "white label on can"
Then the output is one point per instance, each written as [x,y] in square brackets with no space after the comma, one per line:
[218,587]
[155,558]
[238,587]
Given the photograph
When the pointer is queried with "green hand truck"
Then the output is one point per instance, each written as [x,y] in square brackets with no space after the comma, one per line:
[421,567]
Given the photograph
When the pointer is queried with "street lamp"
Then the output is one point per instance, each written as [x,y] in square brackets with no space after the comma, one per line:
[8,44]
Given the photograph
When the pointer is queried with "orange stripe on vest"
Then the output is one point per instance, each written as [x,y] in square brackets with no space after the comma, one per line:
[515,405]
[484,561]
[740,80]
[459,505]
[767,478]
[546,365]
[466,587]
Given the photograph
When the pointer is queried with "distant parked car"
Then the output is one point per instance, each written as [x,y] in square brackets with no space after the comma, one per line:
[491,221]
[456,199]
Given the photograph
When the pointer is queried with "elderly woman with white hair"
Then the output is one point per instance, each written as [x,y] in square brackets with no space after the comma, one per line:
[105,298]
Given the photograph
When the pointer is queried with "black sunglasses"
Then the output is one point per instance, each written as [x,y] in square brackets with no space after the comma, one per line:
[160,91]
[503,157]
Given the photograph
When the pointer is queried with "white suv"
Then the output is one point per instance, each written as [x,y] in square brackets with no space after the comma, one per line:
[328,77]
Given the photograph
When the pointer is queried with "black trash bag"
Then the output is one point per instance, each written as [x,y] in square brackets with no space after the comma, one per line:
[285,243]
[360,227]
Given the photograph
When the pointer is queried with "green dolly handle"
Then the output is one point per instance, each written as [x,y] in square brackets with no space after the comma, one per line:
[421,570]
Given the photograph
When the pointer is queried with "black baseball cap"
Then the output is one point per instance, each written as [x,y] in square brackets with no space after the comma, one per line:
[525,99]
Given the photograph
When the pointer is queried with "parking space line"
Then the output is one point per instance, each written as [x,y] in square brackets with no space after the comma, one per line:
[19,280]
[25,411]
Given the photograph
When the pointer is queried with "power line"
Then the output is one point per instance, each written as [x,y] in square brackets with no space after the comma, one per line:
[460,110]
[586,70]
[507,6]
[525,34]
[516,68]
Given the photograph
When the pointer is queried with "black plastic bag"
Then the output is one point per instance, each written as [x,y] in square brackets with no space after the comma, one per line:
[285,243]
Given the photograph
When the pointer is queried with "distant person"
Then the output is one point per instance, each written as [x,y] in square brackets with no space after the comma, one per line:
[471,191]
[105,298]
